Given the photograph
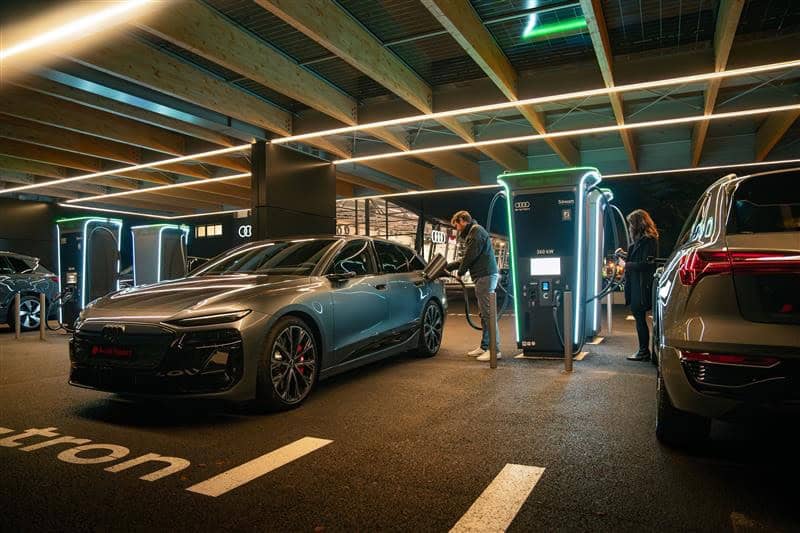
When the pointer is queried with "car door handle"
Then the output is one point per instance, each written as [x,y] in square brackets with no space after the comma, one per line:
[381,286]
[420,283]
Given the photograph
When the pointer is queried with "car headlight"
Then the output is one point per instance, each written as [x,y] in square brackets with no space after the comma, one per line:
[207,320]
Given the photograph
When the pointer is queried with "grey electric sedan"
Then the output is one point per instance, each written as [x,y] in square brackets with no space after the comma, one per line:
[727,308]
[261,322]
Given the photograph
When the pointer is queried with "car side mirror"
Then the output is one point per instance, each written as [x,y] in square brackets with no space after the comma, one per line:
[341,276]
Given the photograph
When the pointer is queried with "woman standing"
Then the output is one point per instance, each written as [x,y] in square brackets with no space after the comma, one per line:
[639,270]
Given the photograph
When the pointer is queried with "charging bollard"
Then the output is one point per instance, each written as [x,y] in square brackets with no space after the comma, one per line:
[42,316]
[608,314]
[492,323]
[17,324]
[567,331]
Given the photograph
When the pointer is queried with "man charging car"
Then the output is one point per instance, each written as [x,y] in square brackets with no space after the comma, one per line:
[478,259]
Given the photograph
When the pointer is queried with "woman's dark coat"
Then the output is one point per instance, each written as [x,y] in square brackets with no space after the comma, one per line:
[639,270]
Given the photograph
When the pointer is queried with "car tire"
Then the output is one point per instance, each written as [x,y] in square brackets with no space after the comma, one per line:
[30,313]
[675,427]
[288,369]
[430,331]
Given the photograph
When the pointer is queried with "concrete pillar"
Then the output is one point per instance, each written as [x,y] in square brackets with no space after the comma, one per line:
[292,193]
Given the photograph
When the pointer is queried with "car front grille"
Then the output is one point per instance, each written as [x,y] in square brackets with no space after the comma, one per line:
[162,362]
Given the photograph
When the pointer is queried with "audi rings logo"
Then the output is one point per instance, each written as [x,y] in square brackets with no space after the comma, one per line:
[438,237]
[112,334]
[522,206]
[245,231]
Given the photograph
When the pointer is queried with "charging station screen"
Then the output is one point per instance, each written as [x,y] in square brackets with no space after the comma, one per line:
[546,266]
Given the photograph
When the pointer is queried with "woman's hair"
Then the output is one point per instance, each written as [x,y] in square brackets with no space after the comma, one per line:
[640,224]
[461,216]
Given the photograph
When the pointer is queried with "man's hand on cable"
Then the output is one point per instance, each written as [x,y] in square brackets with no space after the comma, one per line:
[453,265]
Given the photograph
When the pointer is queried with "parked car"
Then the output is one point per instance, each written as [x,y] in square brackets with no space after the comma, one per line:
[727,308]
[24,275]
[263,321]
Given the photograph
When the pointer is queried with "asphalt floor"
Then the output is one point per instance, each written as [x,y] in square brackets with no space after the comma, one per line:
[414,443]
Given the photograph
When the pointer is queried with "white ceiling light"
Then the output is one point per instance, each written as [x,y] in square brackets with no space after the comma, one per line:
[546,99]
[123,170]
[573,133]
[159,188]
[76,28]
[149,215]
[605,177]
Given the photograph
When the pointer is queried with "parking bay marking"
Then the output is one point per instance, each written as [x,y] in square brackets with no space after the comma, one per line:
[238,476]
[500,502]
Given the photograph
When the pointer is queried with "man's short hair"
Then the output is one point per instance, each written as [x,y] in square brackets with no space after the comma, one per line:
[461,216]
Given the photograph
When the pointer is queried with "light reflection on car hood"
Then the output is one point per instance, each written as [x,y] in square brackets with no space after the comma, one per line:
[163,300]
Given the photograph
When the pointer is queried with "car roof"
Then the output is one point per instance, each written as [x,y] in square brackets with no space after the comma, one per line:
[15,254]
[768,172]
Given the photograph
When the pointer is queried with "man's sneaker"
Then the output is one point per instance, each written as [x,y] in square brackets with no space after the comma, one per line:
[485,356]
[476,352]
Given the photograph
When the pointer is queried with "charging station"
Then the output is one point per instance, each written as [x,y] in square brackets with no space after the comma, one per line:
[159,252]
[555,229]
[88,260]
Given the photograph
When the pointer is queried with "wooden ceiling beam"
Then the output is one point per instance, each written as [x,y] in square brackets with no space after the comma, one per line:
[344,189]
[362,182]
[45,109]
[102,103]
[598,31]
[203,31]
[332,27]
[402,169]
[43,154]
[139,63]
[52,111]
[772,131]
[50,136]
[728,15]
[458,17]
[453,163]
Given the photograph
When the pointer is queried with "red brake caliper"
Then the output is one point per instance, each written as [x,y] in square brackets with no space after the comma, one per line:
[302,358]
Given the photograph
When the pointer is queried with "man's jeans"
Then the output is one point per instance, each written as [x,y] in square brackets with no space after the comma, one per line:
[483,287]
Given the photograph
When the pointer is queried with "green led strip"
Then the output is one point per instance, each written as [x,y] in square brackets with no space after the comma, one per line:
[554,28]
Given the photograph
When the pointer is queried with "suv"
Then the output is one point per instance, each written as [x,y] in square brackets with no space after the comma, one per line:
[727,308]
[24,275]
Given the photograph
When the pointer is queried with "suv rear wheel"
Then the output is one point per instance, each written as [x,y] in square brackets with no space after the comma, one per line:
[675,427]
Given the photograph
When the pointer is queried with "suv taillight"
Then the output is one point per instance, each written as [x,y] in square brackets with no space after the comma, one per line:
[697,264]
[701,263]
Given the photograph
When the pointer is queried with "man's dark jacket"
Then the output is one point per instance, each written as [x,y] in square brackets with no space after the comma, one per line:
[478,256]
[639,270]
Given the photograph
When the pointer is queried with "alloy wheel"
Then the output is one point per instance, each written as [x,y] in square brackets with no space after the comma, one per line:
[432,328]
[29,313]
[293,363]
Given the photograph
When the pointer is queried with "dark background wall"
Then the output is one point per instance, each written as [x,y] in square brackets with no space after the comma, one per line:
[29,228]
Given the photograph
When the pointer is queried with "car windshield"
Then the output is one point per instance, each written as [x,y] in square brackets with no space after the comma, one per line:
[295,258]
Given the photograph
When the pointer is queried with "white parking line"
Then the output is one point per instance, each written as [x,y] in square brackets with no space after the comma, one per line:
[500,502]
[238,476]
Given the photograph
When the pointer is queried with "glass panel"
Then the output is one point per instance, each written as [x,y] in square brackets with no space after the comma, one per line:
[279,257]
[354,257]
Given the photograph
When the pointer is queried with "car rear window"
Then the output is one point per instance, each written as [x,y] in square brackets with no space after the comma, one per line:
[766,204]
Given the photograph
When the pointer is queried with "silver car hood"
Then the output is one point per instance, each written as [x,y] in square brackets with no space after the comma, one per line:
[163,300]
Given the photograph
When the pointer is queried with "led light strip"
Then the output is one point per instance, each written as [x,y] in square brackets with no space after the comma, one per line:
[148,215]
[546,99]
[75,28]
[159,188]
[122,170]
[573,133]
